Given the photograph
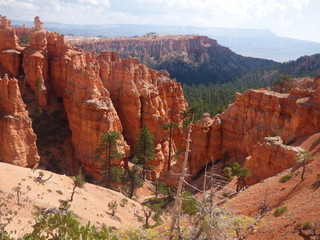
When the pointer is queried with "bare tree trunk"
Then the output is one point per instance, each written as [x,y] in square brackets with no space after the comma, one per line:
[73,192]
[131,188]
[303,171]
[177,202]
[109,165]
[205,184]
[170,146]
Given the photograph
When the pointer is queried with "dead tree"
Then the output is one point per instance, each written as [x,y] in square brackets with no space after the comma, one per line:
[177,202]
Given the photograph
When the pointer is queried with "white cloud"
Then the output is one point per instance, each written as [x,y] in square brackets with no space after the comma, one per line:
[298,4]
[28,5]
[258,8]
[150,1]
[105,3]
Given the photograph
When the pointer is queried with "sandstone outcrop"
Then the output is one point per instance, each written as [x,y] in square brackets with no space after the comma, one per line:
[240,130]
[97,93]
[17,139]
[142,96]
[73,77]
[23,31]
[10,52]
[269,157]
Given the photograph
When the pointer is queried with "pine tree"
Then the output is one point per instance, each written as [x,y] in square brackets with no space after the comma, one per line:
[106,152]
[303,158]
[144,150]
[236,171]
[170,126]
[135,181]
[78,181]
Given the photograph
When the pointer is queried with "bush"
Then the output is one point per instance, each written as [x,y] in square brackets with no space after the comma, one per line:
[285,178]
[307,225]
[4,235]
[64,225]
[113,205]
[123,202]
[190,205]
[280,211]
[79,180]
[24,40]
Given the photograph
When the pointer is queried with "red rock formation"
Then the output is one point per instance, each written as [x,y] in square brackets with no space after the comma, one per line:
[270,157]
[23,31]
[10,55]
[257,114]
[157,46]
[17,139]
[83,80]
[88,105]
[38,25]
[142,96]
[7,35]
[35,63]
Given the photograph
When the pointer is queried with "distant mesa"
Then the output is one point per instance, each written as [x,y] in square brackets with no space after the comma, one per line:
[188,58]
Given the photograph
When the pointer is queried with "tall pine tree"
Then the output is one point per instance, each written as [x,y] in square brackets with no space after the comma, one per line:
[170,126]
[134,179]
[144,150]
[106,152]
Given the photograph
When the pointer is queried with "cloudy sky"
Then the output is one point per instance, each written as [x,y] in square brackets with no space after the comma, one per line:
[291,18]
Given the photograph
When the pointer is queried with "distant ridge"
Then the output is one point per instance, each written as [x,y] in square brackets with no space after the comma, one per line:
[247,42]
[188,58]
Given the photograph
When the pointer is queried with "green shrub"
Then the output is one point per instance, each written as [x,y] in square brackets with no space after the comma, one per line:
[24,40]
[65,226]
[304,226]
[124,202]
[190,205]
[79,180]
[307,225]
[280,211]
[113,205]
[285,178]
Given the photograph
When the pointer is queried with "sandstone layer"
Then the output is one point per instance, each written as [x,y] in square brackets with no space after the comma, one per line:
[95,93]
[17,139]
[10,51]
[238,134]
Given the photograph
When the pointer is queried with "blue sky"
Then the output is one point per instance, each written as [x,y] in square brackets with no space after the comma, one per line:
[291,18]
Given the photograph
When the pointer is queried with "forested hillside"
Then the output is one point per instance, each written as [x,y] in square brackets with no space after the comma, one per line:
[214,98]
[188,58]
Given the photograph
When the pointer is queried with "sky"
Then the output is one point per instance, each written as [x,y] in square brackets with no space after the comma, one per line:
[290,18]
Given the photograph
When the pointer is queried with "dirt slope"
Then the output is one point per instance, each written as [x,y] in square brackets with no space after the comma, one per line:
[90,203]
[302,199]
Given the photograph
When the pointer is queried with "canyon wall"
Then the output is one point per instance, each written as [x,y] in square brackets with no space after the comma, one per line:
[93,94]
[241,132]
[17,139]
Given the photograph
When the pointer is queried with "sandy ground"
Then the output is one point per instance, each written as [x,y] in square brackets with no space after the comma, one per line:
[90,203]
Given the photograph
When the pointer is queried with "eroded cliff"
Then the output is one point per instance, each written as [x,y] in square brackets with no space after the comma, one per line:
[17,139]
[241,132]
[88,95]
